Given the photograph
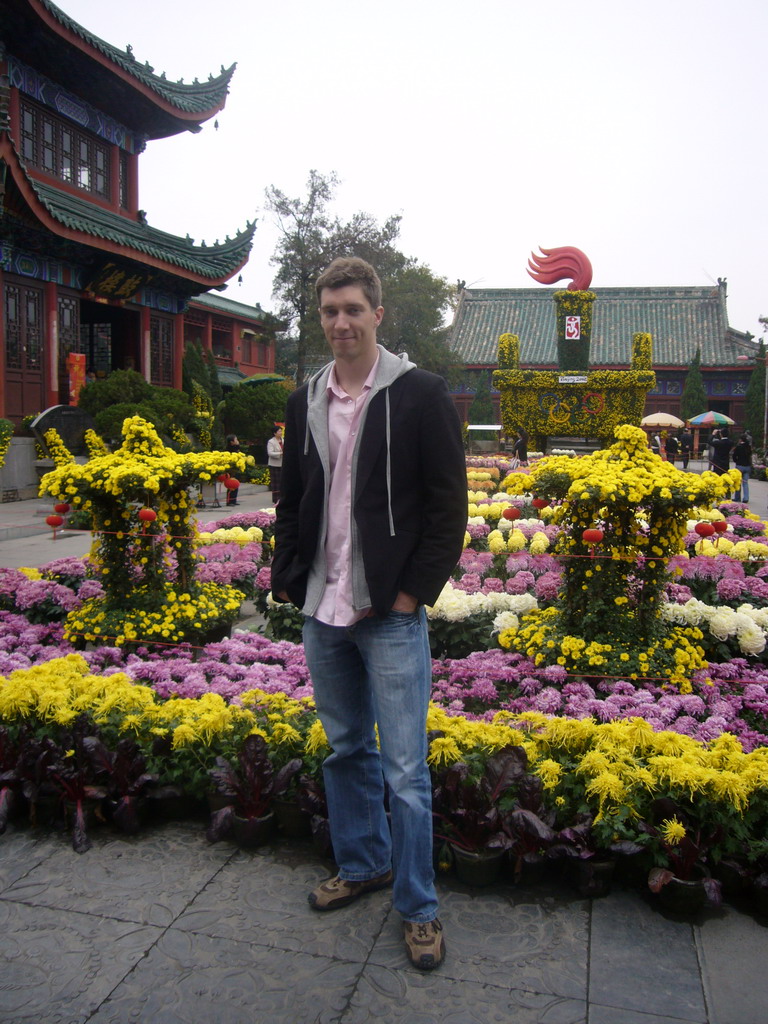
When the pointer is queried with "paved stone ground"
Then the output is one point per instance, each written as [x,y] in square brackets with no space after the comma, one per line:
[164,928]
[167,929]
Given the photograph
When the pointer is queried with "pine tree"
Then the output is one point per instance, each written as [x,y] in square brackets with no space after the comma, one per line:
[694,398]
[755,400]
[481,409]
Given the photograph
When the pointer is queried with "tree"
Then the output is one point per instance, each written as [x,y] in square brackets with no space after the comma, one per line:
[694,398]
[415,301]
[481,409]
[755,399]
[251,410]
[301,253]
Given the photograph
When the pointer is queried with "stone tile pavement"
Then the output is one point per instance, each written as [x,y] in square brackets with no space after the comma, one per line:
[165,928]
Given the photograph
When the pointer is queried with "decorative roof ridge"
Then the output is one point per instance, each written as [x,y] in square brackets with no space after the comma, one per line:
[677,291]
[200,98]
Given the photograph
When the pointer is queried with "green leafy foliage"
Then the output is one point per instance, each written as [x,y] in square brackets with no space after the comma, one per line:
[250,411]
[694,397]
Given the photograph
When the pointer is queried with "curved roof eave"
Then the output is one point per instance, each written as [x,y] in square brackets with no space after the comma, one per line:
[189,104]
[78,220]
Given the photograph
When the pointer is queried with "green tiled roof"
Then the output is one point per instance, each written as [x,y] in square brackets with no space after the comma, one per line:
[680,320]
[195,97]
[223,304]
[214,262]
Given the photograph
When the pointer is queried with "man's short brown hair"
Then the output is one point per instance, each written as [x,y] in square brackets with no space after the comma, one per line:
[347,270]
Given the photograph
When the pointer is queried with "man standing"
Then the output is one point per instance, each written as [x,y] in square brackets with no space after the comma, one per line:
[686,446]
[369,527]
[721,452]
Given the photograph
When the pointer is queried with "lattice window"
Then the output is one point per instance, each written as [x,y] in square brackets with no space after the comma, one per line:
[64,151]
[13,327]
[23,328]
[161,350]
[69,326]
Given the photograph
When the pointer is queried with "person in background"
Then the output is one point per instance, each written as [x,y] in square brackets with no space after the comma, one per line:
[233,445]
[686,446]
[721,452]
[742,460]
[656,444]
[520,449]
[672,447]
[369,527]
[275,460]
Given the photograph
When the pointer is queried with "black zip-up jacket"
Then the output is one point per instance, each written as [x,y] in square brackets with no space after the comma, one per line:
[410,490]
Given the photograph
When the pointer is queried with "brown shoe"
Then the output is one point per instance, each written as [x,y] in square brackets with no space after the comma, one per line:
[425,944]
[340,892]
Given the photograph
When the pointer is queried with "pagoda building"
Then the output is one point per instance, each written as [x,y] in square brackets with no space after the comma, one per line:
[86,283]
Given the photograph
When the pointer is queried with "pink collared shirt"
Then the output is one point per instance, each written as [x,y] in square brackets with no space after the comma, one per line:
[344,413]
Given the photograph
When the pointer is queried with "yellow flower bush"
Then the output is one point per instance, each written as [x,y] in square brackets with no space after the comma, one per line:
[610,619]
[137,557]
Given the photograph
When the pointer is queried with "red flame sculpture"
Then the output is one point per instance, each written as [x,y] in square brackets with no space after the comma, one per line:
[557,264]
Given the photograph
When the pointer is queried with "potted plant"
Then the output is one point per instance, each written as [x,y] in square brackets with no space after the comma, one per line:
[72,775]
[468,802]
[124,774]
[249,784]
[681,876]
[591,850]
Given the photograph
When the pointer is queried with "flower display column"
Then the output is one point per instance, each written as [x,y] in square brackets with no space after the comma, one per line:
[141,502]
[624,514]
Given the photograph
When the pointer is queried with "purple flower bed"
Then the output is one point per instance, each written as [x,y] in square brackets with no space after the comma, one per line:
[732,697]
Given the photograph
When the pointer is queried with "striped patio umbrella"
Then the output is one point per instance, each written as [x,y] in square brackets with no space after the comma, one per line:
[711,419]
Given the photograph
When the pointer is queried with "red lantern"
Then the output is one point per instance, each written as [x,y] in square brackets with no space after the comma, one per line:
[704,529]
[720,526]
[592,536]
[539,503]
[54,522]
[222,478]
[511,513]
[62,507]
[147,515]
[231,484]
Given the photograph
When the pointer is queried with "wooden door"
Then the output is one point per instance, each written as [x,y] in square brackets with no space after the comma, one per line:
[24,337]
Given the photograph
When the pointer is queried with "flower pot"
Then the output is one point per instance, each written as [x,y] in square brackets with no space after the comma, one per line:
[292,821]
[477,868]
[593,876]
[683,896]
[174,806]
[252,832]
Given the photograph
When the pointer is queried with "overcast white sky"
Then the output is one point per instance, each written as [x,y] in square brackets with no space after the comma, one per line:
[634,131]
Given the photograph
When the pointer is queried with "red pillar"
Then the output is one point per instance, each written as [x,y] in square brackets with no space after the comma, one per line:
[145,364]
[178,349]
[51,347]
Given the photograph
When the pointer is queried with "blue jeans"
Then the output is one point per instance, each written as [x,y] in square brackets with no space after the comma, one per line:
[378,672]
[743,494]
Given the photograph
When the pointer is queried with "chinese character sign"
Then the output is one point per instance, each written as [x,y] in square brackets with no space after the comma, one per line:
[572,328]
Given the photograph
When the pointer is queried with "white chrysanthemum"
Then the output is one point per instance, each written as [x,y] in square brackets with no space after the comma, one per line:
[505,620]
[751,639]
[521,604]
[723,623]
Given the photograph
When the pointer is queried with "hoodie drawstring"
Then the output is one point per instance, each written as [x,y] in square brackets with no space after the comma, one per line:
[389,471]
